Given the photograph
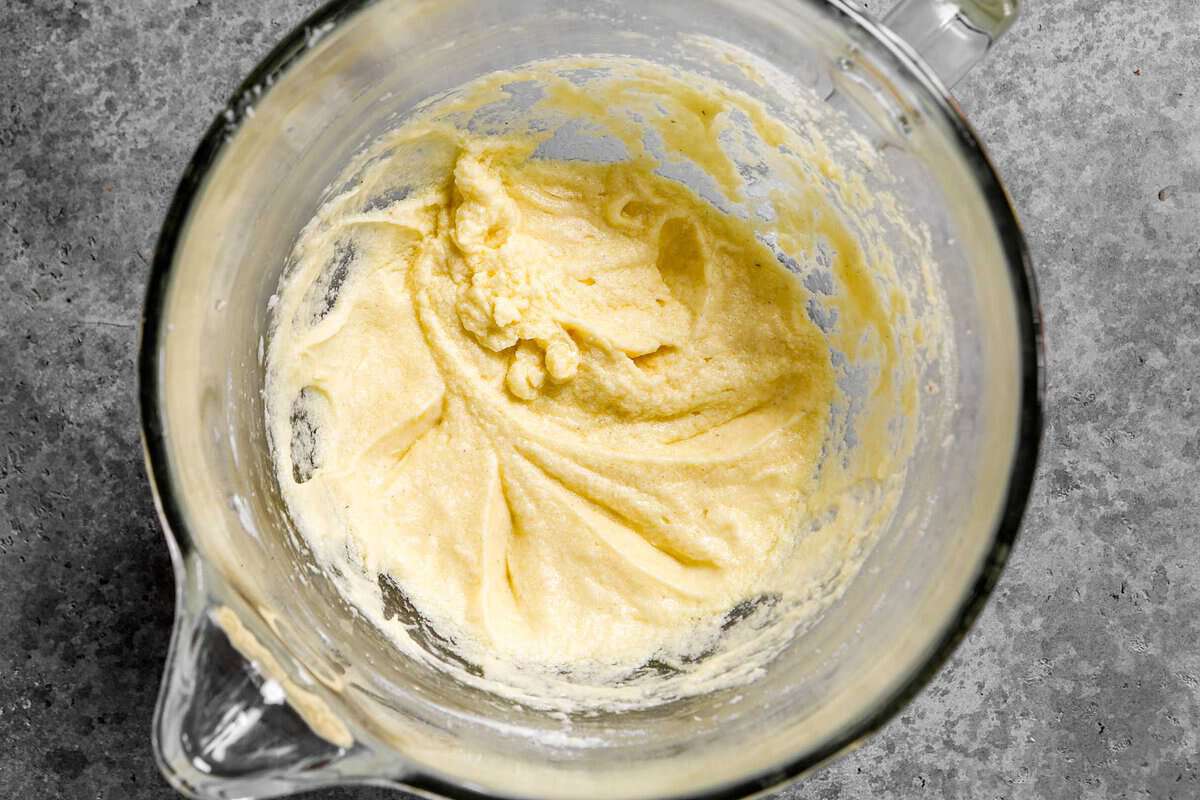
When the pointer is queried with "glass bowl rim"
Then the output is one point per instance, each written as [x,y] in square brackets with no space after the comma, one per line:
[1029,330]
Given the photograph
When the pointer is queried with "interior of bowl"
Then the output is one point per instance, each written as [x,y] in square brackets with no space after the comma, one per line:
[288,141]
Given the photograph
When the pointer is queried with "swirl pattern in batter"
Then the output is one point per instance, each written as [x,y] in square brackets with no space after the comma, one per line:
[571,412]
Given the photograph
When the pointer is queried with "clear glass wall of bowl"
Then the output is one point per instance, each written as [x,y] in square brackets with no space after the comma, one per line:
[221,728]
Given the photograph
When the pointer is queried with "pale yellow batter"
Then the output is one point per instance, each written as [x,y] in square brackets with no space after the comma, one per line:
[570,412]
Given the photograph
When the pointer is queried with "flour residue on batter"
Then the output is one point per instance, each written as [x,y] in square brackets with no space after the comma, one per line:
[562,385]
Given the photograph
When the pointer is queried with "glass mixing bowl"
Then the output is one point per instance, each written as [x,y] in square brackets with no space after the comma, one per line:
[275,685]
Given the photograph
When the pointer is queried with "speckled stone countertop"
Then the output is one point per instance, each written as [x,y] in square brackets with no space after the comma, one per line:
[1082,679]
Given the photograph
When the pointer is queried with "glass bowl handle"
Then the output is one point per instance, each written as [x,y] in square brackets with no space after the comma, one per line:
[951,35]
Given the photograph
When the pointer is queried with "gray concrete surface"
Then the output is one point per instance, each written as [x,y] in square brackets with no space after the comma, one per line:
[1081,679]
